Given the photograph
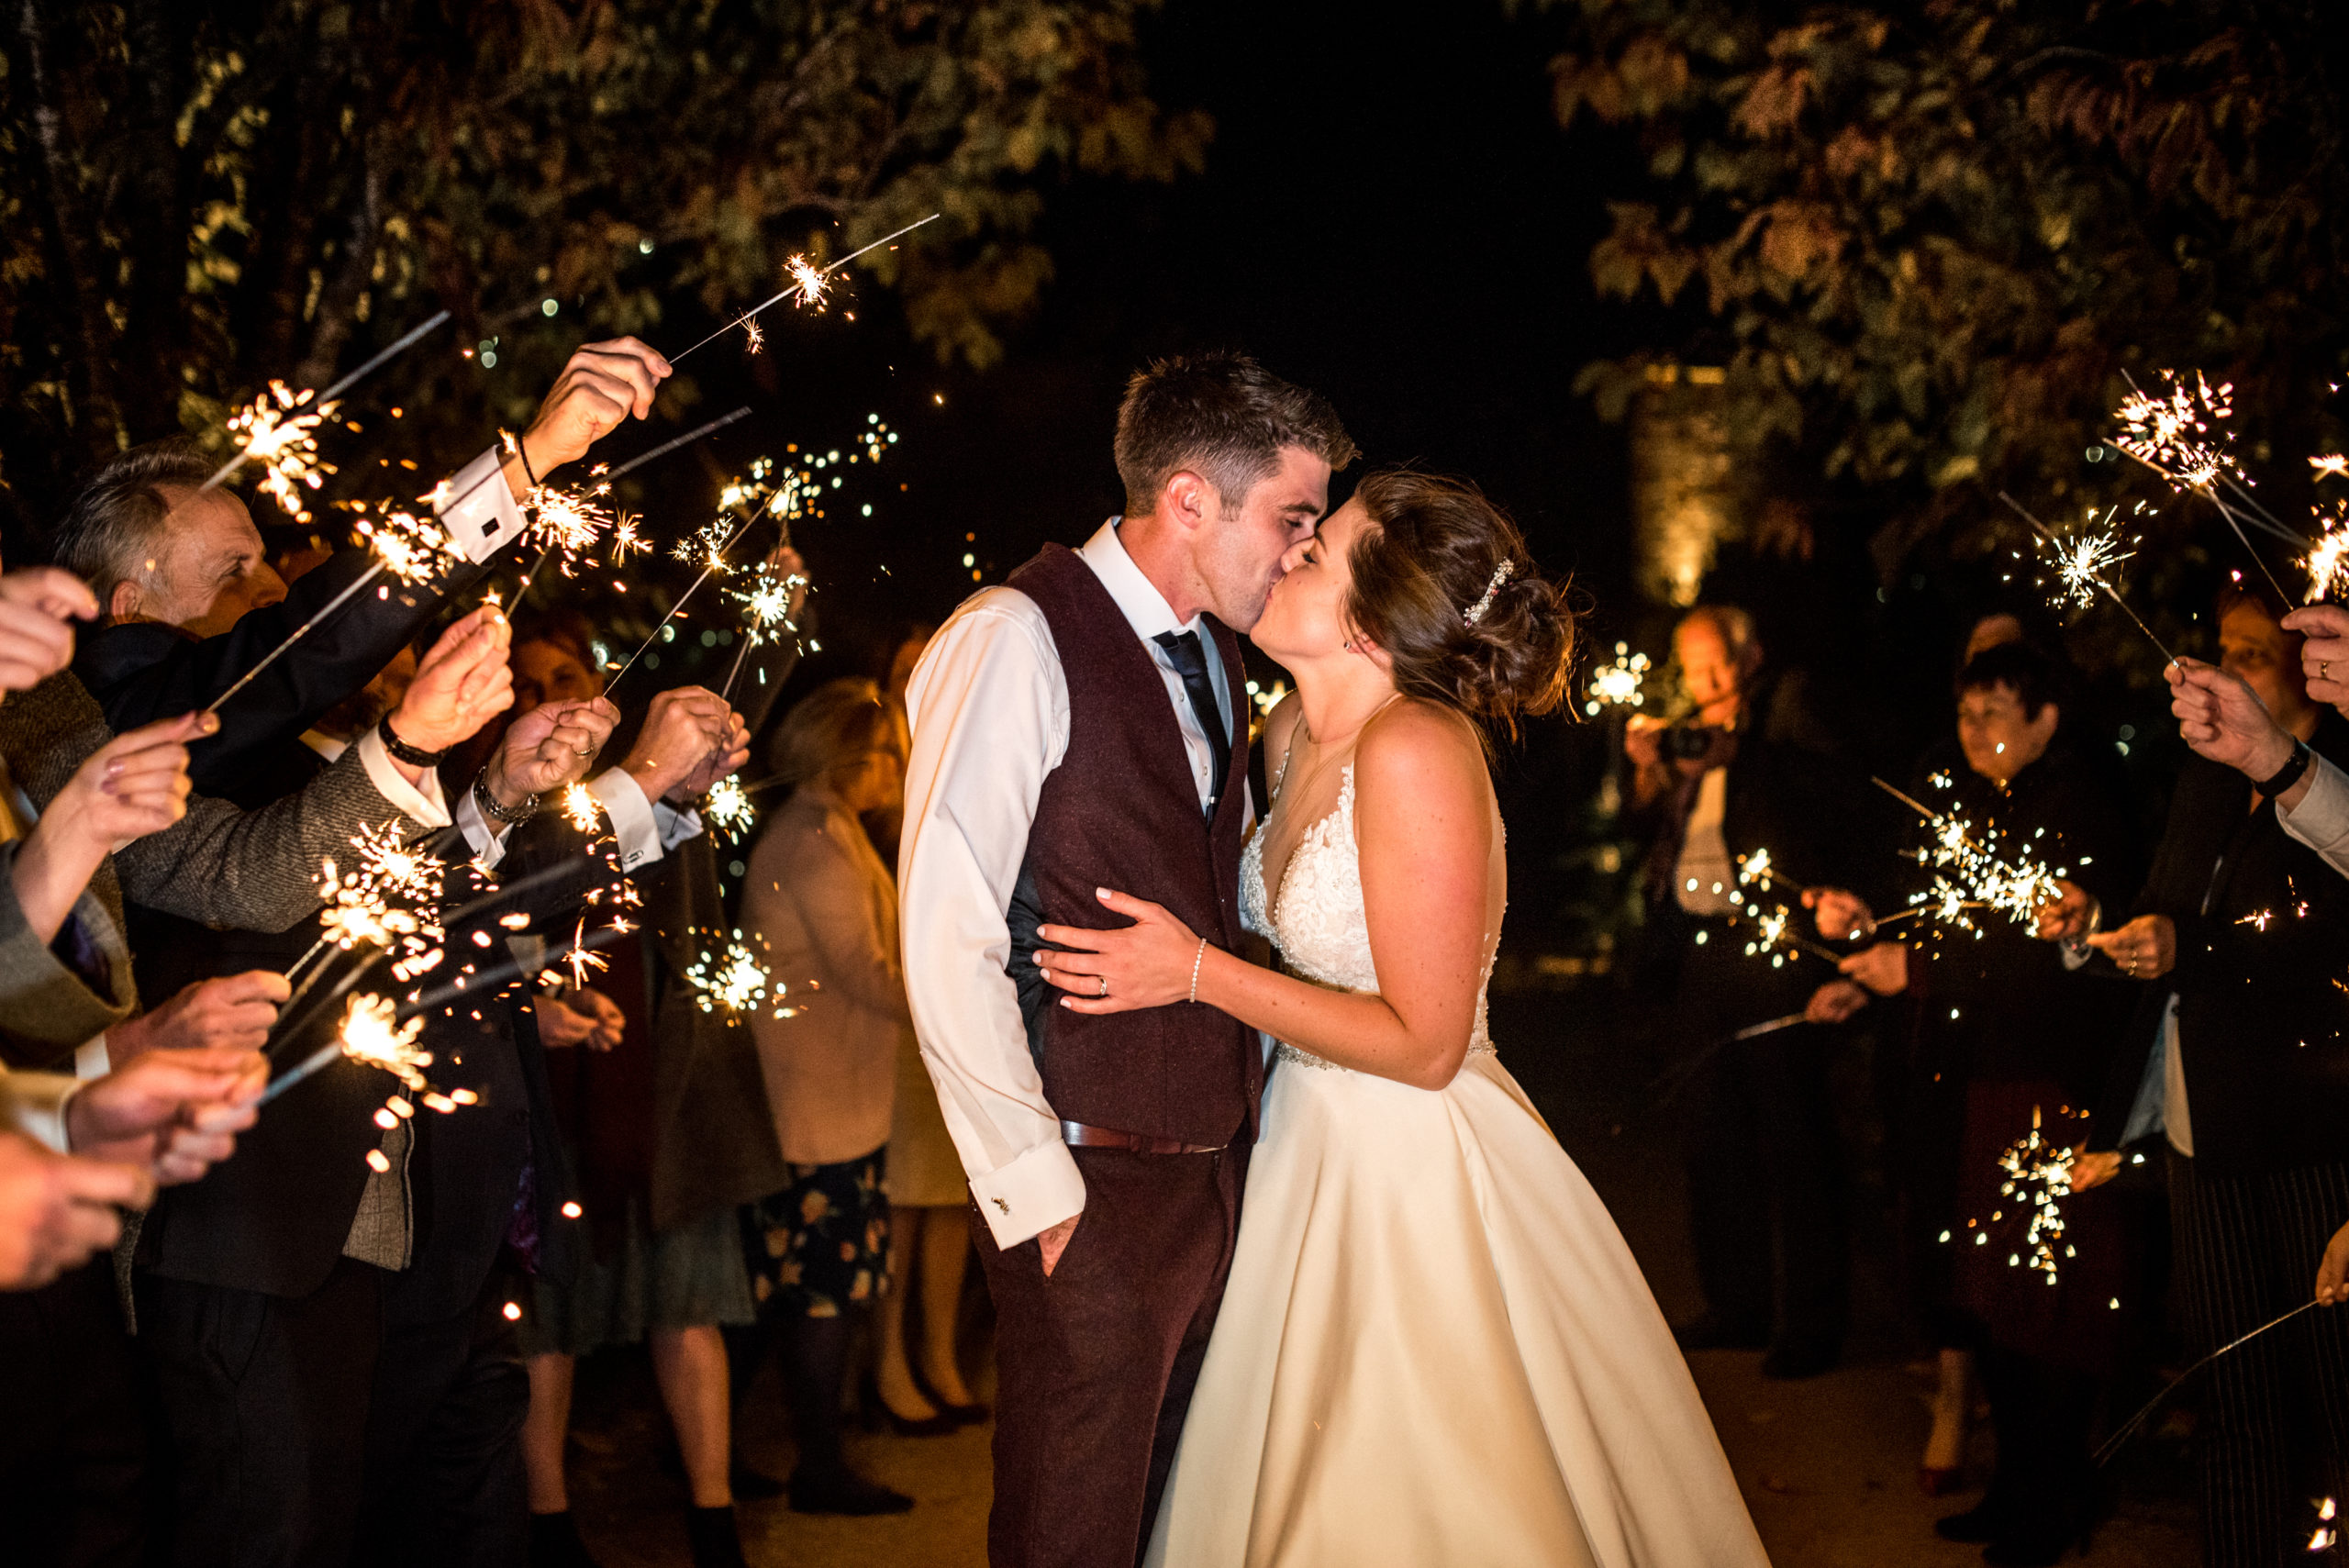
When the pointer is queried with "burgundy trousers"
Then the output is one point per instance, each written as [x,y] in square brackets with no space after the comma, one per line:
[1096,1363]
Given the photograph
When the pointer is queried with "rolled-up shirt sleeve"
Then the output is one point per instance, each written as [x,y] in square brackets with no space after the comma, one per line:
[990,718]
[2322,820]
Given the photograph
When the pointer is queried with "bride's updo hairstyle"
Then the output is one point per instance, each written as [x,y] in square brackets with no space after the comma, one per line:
[1427,560]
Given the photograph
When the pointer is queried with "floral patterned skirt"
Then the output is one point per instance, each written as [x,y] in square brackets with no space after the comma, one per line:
[821,1245]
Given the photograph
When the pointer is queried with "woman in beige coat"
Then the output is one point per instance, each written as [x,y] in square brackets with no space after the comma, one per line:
[829,1042]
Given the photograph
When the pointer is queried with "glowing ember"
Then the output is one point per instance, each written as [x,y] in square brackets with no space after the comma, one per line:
[284,442]
[731,978]
[2328,559]
[374,1035]
[581,809]
[728,808]
[1620,684]
[2177,433]
[2332,465]
[2084,562]
[754,336]
[2039,1176]
[570,522]
[812,281]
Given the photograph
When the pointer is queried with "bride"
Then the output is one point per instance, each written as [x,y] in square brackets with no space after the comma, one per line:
[1434,1347]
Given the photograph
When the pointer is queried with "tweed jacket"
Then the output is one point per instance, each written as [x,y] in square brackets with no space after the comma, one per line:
[219,866]
[49,1009]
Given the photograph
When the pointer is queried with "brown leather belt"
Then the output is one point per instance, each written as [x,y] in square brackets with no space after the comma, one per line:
[1077,1134]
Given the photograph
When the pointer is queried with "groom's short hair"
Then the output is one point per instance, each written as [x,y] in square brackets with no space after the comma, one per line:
[1225,418]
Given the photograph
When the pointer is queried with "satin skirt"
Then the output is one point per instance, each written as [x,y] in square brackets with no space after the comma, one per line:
[1435,1348]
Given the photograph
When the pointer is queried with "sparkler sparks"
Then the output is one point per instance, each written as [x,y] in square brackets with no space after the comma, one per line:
[412,548]
[2039,1176]
[728,808]
[2180,433]
[812,282]
[2328,559]
[731,978]
[1620,684]
[809,281]
[581,809]
[1973,875]
[2081,566]
[2332,465]
[279,431]
[374,1035]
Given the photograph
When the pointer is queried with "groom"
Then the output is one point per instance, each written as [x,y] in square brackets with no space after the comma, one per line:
[1084,726]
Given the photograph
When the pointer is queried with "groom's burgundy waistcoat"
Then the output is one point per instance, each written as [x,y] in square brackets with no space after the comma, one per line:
[1122,811]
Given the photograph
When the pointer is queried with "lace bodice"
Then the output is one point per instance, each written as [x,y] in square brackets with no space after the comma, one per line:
[1316,915]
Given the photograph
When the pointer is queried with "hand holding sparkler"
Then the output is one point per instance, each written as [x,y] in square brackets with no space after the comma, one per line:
[1836,1002]
[551,746]
[464,680]
[602,386]
[1881,968]
[176,1112]
[1841,916]
[2222,718]
[690,739]
[581,1019]
[2332,1271]
[2325,628]
[232,1012]
[2145,949]
[2069,914]
[37,609]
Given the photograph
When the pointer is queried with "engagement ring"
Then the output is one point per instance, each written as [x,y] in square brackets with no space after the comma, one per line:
[1104,984]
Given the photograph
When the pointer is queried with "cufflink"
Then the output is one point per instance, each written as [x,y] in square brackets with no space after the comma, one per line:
[1001,1205]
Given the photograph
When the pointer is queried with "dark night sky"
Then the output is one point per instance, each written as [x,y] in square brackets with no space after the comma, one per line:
[1389,215]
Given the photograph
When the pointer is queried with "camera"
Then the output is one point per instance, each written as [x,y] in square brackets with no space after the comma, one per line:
[1689,742]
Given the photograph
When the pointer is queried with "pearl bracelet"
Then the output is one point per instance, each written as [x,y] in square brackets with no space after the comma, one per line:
[1197,959]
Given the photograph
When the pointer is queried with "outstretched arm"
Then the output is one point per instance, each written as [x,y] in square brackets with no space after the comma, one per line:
[1423,828]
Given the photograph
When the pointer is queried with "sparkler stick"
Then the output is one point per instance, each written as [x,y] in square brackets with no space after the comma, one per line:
[414,336]
[2016,887]
[665,447]
[803,285]
[2168,436]
[716,556]
[2129,1429]
[298,634]
[2085,572]
[1666,1088]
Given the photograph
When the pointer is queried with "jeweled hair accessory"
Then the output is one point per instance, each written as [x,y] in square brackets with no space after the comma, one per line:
[1475,612]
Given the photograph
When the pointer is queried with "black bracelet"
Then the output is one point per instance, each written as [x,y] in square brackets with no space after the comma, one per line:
[2289,774]
[415,756]
[510,815]
[523,452]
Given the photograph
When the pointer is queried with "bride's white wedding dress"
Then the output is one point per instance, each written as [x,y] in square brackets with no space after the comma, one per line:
[1435,1348]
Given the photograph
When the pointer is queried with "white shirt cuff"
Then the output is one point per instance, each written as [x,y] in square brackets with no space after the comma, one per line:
[2322,820]
[90,1060]
[1032,1194]
[488,841]
[37,1102]
[478,509]
[636,821]
[422,804]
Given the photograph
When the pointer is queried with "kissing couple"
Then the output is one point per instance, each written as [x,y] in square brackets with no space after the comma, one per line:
[1427,1344]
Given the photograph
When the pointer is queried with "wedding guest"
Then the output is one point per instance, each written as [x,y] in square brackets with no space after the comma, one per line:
[2236,941]
[830,1048]
[642,1086]
[1763,1158]
[2011,1039]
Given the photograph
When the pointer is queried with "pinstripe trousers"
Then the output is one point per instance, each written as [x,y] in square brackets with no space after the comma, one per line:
[2274,1432]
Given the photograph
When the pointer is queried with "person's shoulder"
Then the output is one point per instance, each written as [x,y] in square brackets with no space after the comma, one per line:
[1415,746]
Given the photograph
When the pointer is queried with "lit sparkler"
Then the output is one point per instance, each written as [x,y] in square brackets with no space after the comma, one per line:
[728,808]
[410,548]
[1972,874]
[2039,1176]
[279,431]
[2326,1535]
[2082,566]
[2182,436]
[731,978]
[1620,684]
[581,809]
[2332,465]
[809,281]
[2328,559]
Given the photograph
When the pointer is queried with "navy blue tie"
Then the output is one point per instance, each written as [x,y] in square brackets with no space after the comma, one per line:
[1191,663]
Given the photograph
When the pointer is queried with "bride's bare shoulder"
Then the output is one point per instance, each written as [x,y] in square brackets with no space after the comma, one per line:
[1422,753]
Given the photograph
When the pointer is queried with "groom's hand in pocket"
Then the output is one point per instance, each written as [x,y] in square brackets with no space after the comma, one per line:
[1053,1241]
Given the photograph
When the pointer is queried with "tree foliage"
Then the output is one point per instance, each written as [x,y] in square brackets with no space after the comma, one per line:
[200,198]
[1927,241]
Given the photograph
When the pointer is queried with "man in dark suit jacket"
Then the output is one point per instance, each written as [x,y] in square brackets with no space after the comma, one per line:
[2236,1061]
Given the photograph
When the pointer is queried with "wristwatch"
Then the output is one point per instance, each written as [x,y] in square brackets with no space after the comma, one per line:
[415,756]
[2289,774]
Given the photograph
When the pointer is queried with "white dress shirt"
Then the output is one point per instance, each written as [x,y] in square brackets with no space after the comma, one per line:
[2322,820]
[990,713]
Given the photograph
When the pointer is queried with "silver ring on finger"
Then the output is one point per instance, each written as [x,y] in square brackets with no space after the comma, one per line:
[1104,984]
